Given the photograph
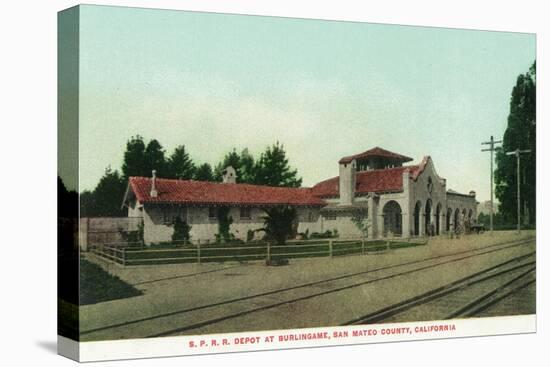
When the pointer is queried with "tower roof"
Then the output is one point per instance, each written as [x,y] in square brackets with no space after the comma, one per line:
[379,153]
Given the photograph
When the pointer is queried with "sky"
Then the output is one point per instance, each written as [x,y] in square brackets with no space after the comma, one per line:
[324,89]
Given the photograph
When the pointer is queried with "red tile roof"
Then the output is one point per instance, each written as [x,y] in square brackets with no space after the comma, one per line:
[376,152]
[380,180]
[204,193]
[201,192]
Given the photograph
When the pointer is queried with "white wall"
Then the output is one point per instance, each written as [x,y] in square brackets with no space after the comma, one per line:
[203,228]
[419,193]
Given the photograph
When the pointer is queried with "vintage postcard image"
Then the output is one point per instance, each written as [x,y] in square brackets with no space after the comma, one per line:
[233,183]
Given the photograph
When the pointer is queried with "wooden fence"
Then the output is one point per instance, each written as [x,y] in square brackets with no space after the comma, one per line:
[126,254]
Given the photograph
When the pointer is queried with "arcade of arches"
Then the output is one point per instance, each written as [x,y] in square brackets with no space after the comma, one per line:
[427,220]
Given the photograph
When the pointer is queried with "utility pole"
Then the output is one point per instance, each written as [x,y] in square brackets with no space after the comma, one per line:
[492,148]
[517,153]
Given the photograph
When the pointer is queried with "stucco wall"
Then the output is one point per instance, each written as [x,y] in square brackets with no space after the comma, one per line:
[420,194]
[342,223]
[466,205]
[102,230]
[158,219]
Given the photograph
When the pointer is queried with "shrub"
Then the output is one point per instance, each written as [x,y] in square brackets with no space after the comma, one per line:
[181,230]
[327,234]
[279,223]
[224,225]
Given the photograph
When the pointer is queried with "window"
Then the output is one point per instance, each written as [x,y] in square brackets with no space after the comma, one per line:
[245,213]
[212,213]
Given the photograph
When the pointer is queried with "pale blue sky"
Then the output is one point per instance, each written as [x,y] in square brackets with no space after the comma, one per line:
[324,89]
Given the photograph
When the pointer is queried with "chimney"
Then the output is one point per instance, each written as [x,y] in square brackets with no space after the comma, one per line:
[229,175]
[347,183]
[154,192]
[473,193]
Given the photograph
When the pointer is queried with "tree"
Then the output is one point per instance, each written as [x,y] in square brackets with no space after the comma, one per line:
[180,165]
[243,164]
[141,159]
[273,169]
[108,194]
[88,207]
[204,173]
[247,169]
[520,134]
[232,159]
[279,223]
[134,158]
[155,159]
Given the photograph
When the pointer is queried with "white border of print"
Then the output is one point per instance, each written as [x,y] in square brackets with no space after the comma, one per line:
[299,338]
[28,151]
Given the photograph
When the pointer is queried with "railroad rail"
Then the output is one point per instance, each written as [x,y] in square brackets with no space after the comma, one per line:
[518,270]
[310,290]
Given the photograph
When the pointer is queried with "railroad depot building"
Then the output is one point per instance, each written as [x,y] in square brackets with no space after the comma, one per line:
[394,199]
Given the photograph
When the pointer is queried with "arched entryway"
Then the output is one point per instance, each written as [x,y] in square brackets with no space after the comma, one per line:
[470,214]
[438,219]
[417,209]
[456,220]
[449,219]
[428,218]
[392,218]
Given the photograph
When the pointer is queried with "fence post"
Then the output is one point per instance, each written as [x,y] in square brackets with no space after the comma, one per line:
[268,251]
[199,252]
[330,248]
[123,256]
[362,247]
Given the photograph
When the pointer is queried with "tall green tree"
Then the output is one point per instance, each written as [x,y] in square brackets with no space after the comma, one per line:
[247,169]
[520,134]
[204,173]
[88,207]
[180,165]
[134,158]
[155,159]
[272,169]
[108,194]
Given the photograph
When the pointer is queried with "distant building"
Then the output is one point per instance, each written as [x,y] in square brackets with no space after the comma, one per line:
[485,207]
[398,200]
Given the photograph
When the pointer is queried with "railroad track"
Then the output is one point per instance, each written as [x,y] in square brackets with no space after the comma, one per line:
[303,292]
[470,295]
